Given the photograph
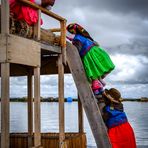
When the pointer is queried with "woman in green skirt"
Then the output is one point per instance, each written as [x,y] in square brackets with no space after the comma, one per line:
[96,61]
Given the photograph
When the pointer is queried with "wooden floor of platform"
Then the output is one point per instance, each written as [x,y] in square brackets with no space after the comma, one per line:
[49,140]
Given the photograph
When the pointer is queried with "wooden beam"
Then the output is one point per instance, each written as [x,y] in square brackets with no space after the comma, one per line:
[63,40]
[55,30]
[61,102]
[5,17]
[37,125]
[80,116]
[49,13]
[30,109]
[5,72]
[87,98]
[54,49]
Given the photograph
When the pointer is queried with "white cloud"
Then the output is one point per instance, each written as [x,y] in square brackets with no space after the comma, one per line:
[131,90]
[79,14]
[128,67]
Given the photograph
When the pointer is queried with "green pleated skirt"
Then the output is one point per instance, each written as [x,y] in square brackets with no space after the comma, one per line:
[97,63]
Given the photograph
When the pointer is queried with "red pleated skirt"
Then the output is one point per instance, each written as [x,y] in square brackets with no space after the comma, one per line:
[122,136]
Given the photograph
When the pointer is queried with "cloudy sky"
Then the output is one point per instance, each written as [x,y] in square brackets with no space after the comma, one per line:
[121,28]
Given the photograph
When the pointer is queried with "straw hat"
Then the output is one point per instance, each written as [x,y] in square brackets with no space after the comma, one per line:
[113,95]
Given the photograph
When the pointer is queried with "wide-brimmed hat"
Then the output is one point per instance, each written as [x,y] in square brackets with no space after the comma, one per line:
[113,95]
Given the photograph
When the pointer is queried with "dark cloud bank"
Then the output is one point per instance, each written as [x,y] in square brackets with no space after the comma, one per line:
[121,27]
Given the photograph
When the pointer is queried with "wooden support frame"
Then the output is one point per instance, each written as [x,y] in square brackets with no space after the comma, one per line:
[61,101]
[5,73]
[80,116]
[30,109]
[37,124]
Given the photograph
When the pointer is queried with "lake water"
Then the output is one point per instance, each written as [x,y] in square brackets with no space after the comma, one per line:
[137,113]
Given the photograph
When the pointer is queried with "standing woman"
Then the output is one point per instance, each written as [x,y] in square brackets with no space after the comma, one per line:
[96,61]
[23,18]
[20,11]
[120,132]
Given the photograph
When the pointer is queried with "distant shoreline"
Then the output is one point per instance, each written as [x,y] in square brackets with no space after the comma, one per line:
[24,99]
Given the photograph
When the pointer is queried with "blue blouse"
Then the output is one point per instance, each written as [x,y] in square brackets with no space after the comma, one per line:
[86,44]
[115,118]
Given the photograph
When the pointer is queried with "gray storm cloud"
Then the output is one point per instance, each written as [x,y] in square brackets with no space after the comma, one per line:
[138,7]
[120,26]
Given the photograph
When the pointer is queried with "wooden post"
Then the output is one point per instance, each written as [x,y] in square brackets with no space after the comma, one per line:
[80,116]
[30,110]
[37,27]
[87,98]
[37,118]
[5,72]
[61,101]
[37,125]
[5,17]
[63,40]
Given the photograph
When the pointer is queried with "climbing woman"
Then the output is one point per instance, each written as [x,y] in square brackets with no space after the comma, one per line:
[120,131]
[96,61]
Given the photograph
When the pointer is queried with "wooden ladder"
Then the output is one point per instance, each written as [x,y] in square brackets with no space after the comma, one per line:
[87,98]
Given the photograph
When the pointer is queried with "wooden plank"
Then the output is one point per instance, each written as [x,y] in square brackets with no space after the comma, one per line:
[87,98]
[23,51]
[80,116]
[30,108]
[5,17]
[55,30]
[5,71]
[3,50]
[49,66]
[37,124]
[48,12]
[55,49]
[63,40]
[61,101]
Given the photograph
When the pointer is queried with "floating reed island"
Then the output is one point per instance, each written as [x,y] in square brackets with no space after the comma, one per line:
[55,99]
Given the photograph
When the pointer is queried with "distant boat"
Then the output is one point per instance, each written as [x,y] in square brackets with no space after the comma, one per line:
[69,99]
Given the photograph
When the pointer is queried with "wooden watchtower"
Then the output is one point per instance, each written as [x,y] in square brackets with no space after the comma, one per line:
[20,56]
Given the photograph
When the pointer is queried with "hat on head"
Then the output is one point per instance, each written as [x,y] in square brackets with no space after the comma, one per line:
[113,95]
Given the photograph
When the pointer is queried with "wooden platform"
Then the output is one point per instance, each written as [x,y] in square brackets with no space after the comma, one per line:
[49,140]
[22,57]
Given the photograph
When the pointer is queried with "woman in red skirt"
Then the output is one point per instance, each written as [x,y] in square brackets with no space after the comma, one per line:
[21,11]
[119,130]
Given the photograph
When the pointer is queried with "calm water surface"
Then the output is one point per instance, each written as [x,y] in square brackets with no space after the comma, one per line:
[137,113]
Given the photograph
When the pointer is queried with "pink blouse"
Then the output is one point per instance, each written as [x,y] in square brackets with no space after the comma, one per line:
[22,12]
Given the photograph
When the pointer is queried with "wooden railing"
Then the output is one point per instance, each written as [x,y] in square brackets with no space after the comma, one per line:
[62,21]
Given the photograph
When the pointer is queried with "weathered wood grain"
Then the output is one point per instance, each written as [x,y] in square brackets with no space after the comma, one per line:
[87,98]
